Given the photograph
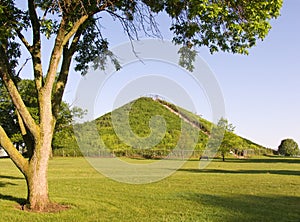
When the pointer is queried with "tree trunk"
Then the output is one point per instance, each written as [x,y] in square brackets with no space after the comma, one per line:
[223,157]
[37,186]
[36,176]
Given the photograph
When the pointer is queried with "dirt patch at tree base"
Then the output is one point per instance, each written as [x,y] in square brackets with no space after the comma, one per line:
[50,208]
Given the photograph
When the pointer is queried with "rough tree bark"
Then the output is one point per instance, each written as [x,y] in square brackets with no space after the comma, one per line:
[36,177]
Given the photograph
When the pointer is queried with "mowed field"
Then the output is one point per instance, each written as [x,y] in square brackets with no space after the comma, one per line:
[266,189]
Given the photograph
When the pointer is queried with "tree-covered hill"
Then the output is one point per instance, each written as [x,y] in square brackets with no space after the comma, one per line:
[132,128]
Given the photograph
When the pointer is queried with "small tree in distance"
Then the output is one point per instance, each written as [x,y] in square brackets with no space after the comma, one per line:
[288,147]
[224,132]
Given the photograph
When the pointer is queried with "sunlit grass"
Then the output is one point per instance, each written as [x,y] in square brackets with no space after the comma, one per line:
[237,190]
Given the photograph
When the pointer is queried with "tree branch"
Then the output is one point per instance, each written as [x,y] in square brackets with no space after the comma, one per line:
[60,42]
[27,137]
[64,72]
[35,50]
[62,39]
[83,18]
[14,94]
[24,41]
[18,73]
[13,153]
[74,29]
[34,22]
[55,56]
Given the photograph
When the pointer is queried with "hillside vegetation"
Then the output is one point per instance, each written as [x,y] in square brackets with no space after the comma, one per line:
[104,134]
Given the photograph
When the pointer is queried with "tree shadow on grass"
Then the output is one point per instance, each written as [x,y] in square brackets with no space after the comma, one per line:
[265,160]
[279,172]
[4,183]
[11,177]
[18,200]
[250,207]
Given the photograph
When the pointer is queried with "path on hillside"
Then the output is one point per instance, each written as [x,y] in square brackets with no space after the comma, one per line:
[184,118]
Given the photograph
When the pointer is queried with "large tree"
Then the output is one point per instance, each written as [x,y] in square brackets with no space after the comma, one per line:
[227,25]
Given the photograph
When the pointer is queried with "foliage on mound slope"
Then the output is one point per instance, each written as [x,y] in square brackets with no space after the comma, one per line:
[101,134]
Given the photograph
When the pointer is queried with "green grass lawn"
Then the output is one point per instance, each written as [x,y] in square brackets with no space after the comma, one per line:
[265,189]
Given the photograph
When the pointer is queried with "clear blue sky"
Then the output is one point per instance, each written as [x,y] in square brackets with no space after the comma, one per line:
[261,91]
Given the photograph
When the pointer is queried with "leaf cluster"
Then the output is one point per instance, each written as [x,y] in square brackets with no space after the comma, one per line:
[222,25]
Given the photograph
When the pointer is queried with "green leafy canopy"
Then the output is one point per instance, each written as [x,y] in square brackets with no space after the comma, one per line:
[288,147]
[221,25]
